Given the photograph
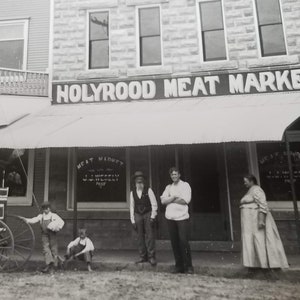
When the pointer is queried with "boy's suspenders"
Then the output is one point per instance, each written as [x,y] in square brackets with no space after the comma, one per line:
[44,225]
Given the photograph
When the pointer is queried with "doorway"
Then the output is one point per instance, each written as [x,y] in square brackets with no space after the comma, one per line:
[203,167]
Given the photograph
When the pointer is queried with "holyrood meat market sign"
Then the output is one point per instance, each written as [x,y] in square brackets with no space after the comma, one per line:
[177,87]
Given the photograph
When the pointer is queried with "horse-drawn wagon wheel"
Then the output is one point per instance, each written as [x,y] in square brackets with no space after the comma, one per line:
[6,248]
[24,240]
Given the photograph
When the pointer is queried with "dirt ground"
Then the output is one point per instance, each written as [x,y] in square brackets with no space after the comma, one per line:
[139,285]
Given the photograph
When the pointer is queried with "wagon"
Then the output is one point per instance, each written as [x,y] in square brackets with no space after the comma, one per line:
[17,238]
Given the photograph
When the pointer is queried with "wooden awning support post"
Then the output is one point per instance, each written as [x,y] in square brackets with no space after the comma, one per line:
[292,182]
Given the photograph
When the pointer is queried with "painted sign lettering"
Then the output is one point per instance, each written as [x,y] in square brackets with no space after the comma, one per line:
[181,87]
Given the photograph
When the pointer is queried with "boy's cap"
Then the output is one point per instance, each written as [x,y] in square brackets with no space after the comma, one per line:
[45,205]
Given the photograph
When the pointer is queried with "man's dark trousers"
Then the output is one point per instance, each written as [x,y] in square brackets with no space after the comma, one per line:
[179,235]
[146,240]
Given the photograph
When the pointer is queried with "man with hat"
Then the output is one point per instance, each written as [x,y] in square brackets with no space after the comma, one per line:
[143,210]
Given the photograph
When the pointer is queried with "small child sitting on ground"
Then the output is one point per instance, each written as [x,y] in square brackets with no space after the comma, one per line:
[81,248]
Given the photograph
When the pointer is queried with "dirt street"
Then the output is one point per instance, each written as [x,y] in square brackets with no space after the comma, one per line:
[139,285]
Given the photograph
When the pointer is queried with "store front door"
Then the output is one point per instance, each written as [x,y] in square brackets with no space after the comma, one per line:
[203,167]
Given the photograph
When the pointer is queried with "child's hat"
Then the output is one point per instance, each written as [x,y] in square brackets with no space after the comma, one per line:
[45,205]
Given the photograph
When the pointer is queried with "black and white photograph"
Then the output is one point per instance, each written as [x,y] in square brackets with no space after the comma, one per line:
[150,149]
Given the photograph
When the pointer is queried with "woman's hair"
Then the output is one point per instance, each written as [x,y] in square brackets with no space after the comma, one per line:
[174,169]
[251,178]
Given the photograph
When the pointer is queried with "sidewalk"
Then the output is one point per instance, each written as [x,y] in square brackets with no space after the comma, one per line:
[224,264]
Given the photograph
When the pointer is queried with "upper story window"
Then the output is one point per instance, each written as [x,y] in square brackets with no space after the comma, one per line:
[99,40]
[149,36]
[270,28]
[13,44]
[212,30]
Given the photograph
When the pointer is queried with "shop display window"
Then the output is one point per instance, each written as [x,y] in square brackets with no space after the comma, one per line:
[16,173]
[101,175]
[274,171]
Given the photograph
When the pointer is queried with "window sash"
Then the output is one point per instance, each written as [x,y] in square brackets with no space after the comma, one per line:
[13,32]
[146,35]
[155,27]
[12,54]
[95,63]
[93,35]
[276,49]
[263,18]
[156,59]
[264,52]
[93,59]
[221,54]
[207,29]
[217,25]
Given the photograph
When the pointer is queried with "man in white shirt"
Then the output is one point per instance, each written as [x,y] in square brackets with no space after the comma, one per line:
[176,197]
[143,210]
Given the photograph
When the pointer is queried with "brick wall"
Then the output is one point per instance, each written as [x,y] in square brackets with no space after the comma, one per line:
[179,35]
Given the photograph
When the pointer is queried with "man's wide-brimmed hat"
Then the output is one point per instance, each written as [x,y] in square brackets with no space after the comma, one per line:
[138,174]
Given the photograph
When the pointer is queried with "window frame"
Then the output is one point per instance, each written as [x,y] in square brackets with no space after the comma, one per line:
[254,169]
[88,12]
[90,206]
[200,37]
[138,47]
[25,23]
[258,32]
[25,200]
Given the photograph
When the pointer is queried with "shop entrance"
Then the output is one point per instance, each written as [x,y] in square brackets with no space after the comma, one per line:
[203,167]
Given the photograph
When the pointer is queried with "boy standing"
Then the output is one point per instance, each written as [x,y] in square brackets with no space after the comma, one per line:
[81,248]
[50,223]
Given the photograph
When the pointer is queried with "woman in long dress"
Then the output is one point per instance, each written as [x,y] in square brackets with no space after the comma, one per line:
[261,243]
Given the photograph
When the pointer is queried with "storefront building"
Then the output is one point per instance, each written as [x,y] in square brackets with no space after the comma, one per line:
[209,86]
[24,81]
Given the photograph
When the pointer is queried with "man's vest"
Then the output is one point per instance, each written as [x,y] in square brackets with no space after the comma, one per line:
[141,205]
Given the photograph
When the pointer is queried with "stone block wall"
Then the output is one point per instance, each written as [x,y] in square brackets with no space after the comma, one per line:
[180,38]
